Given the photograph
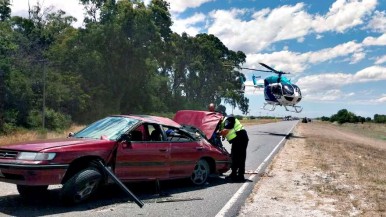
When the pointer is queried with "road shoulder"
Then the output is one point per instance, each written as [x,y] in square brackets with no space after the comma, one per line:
[284,189]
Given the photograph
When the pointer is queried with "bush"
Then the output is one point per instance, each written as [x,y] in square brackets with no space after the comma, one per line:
[10,121]
[53,120]
[239,117]
[344,116]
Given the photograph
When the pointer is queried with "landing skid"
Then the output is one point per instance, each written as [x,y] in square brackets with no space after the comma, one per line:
[297,109]
[273,106]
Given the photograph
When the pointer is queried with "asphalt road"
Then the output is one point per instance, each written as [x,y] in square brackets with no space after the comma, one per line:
[178,198]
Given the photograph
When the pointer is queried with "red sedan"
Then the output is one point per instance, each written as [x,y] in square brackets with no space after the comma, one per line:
[134,147]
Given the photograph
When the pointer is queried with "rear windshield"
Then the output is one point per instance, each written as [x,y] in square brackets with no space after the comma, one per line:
[111,128]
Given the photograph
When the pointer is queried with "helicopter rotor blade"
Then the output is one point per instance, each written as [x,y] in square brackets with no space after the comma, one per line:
[268,67]
[258,70]
[273,70]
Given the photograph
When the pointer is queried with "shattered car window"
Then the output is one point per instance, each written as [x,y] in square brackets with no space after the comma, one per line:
[111,128]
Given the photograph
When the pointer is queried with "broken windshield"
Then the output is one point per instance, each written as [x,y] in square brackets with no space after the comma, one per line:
[110,127]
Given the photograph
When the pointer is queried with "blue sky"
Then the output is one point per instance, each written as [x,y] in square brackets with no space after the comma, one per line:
[334,50]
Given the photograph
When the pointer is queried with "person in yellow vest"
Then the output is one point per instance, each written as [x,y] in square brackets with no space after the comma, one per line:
[231,129]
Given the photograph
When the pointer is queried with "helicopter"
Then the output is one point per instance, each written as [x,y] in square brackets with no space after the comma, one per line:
[278,90]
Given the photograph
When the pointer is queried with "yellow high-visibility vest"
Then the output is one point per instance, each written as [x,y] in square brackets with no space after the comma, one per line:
[232,132]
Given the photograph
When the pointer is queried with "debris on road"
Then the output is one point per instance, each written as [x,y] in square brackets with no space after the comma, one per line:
[178,199]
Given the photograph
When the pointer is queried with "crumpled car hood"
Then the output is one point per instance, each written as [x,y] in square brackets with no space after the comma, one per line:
[204,120]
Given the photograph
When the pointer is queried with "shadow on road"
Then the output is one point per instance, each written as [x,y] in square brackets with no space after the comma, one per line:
[289,136]
[49,204]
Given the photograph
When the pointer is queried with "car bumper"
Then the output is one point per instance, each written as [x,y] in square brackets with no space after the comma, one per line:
[27,174]
[223,166]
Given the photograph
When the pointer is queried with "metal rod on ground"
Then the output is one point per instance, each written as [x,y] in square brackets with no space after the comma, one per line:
[120,184]
[179,200]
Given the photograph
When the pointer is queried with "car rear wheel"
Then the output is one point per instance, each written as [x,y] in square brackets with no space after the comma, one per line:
[30,191]
[200,172]
[81,186]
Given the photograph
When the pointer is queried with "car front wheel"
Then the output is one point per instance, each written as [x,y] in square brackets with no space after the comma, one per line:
[200,172]
[81,186]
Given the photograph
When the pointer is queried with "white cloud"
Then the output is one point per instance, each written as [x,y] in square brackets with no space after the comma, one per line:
[381,60]
[329,95]
[262,29]
[188,25]
[283,60]
[374,101]
[298,62]
[381,40]
[316,85]
[381,99]
[300,40]
[372,73]
[356,57]
[378,22]
[318,36]
[266,26]
[179,6]
[344,14]
[331,53]
[71,7]
[323,82]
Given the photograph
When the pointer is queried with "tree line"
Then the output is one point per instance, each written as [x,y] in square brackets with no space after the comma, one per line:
[345,116]
[124,59]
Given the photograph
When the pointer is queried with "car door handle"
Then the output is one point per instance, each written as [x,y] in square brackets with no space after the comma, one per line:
[163,149]
[199,148]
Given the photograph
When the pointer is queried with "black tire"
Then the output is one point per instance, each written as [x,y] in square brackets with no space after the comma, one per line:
[81,186]
[32,191]
[200,172]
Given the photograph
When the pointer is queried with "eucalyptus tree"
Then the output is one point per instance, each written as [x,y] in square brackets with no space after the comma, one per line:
[34,75]
[201,71]
[5,10]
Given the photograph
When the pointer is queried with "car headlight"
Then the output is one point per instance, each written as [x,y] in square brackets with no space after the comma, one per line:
[35,156]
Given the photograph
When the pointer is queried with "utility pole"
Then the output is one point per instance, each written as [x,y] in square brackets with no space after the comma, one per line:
[44,95]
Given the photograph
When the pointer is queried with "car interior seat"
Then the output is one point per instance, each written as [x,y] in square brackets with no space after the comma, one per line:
[136,135]
[155,135]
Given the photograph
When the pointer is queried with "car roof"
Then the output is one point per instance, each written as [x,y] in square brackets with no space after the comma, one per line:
[153,119]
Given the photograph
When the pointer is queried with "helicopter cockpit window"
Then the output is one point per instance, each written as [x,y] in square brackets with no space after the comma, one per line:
[297,89]
[288,89]
[276,89]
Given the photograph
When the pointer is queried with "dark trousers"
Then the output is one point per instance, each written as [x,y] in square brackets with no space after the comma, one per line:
[239,153]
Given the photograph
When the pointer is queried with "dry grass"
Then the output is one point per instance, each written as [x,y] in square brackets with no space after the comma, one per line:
[353,167]
[28,135]
[24,135]
[376,131]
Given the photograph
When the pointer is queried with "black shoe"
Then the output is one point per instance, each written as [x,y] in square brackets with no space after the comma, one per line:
[240,179]
[231,178]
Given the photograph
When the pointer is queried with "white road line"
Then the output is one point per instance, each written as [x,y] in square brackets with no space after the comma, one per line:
[236,196]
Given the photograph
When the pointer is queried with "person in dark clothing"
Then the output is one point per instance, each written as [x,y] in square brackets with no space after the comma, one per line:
[211,107]
[234,132]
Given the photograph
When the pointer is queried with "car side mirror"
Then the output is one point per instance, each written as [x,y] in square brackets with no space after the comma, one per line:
[125,138]
[71,134]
